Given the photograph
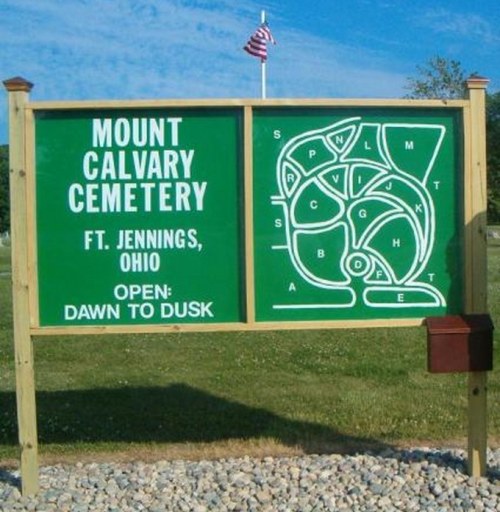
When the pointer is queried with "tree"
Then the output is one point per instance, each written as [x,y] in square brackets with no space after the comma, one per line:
[438,79]
[4,189]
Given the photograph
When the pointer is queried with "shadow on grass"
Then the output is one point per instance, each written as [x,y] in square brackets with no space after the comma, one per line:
[179,414]
[176,414]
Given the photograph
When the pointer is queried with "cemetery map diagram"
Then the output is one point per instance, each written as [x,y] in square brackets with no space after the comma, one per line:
[357,214]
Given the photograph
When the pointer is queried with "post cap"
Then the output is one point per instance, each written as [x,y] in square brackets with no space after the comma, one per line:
[477,82]
[17,83]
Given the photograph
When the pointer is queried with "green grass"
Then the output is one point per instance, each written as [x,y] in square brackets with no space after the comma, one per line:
[313,389]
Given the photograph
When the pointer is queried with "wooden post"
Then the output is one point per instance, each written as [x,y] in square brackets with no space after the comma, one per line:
[477,293]
[18,90]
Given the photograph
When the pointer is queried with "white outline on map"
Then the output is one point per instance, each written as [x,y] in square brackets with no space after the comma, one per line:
[347,181]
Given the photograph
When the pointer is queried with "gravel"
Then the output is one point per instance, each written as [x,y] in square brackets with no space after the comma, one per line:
[393,480]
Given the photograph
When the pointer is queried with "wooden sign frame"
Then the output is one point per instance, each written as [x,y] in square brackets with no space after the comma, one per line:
[22,115]
[41,200]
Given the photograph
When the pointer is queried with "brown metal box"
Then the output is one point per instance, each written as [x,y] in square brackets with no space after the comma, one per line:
[459,343]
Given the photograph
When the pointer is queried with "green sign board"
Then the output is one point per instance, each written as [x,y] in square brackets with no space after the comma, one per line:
[141,217]
[137,216]
[357,213]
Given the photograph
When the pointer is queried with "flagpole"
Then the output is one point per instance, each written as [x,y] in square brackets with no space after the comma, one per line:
[263,62]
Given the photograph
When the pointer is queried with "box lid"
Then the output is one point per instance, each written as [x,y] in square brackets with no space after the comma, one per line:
[459,324]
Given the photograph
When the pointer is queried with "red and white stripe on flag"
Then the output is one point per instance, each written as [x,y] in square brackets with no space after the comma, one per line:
[257,44]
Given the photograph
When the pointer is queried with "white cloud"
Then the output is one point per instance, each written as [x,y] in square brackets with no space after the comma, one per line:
[465,25]
[312,66]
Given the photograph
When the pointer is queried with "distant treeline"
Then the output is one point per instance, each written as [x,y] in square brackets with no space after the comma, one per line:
[493,150]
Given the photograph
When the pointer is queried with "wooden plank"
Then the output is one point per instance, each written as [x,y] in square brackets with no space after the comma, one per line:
[172,103]
[227,327]
[31,217]
[249,247]
[477,299]
[468,214]
[23,348]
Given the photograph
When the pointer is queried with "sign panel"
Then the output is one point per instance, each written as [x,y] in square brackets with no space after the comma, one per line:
[357,213]
[141,218]
[138,216]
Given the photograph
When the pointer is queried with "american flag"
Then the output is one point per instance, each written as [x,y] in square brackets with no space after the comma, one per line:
[257,44]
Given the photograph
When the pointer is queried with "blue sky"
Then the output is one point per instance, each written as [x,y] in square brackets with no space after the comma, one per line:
[129,49]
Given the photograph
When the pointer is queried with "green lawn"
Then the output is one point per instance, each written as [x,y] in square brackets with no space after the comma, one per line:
[314,390]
